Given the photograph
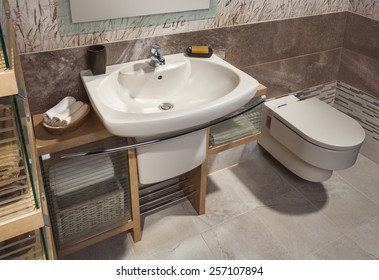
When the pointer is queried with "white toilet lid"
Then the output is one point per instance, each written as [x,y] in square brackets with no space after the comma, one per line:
[321,124]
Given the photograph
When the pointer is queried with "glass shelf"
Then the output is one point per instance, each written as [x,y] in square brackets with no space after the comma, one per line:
[241,126]
[17,193]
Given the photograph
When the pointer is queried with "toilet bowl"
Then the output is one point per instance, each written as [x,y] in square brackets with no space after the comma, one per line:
[310,137]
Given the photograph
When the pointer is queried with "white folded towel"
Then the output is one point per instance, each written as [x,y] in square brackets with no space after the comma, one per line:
[76,115]
[58,108]
[59,119]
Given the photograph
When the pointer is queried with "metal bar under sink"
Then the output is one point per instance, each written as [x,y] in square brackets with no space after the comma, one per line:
[259,101]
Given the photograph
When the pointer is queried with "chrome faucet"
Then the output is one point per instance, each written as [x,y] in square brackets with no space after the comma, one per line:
[156,58]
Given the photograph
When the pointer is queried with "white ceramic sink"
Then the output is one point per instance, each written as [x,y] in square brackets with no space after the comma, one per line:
[136,100]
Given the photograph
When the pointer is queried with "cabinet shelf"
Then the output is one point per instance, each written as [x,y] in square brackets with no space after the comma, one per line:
[18,209]
[239,130]
[191,186]
[8,83]
[20,215]
[91,131]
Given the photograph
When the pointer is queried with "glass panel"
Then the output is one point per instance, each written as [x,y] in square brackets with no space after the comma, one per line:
[4,58]
[87,196]
[17,195]
[27,246]
[246,124]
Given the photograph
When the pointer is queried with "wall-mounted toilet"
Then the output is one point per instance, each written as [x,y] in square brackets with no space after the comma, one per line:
[310,137]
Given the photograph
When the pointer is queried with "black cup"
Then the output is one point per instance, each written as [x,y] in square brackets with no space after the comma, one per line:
[97,59]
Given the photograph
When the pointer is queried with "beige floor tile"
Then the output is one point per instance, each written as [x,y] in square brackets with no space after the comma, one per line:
[297,224]
[244,237]
[258,182]
[342,249]
[287,175]
[193,248]
[340,202]
[165,229]
[367,237]
[233,156]
[222,201]
[364,177]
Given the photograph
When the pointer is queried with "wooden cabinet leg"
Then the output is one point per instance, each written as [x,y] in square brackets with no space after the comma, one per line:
[134,196]
[199,177]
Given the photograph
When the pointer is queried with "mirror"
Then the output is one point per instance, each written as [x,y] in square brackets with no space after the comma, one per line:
[168,20]
[92,10]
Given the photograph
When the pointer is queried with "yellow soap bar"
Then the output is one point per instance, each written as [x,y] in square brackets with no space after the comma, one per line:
[200,49]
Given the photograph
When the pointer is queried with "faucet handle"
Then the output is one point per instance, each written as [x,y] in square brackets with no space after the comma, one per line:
[155,49]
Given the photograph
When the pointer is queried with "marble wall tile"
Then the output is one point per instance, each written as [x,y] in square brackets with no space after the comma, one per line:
[248,45]
[360,106]
[367,8]
[359,71]
[325,92]
[290,75]
[361,35]
[52,75]
[37,27]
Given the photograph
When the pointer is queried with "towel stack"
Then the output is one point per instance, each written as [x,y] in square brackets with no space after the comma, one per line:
[67,111]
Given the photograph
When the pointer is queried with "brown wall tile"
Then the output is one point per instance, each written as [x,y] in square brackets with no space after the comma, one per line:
[269,41]
[290,75]
[359,71]
[52,75]
[362,35]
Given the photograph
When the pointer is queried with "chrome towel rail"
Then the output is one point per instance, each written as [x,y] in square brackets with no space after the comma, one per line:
[250,105]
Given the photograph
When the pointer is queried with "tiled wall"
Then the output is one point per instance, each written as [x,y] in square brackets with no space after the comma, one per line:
[301,46]
[367,8]
[37,22]
[285,55]
[358,90]
[325,92]
[360,54]
[365,109]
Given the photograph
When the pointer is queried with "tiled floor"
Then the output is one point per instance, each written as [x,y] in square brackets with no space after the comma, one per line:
[259,210]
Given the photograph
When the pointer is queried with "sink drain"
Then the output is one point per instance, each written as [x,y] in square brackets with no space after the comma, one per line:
[165,106]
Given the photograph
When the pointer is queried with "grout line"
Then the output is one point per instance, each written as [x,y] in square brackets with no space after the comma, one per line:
[356,189]
[289,58]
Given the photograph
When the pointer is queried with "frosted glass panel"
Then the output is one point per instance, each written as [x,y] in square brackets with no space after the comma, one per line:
[67,27]
[92,10]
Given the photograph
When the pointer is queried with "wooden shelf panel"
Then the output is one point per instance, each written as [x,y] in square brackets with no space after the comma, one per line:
[235,143]
[21,224]
[261,90]
[8,83]
[92,130]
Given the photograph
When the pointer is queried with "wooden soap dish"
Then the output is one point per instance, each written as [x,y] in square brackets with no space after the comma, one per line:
[59,130]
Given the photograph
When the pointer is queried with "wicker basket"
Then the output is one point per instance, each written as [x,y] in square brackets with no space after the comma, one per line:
[87,218]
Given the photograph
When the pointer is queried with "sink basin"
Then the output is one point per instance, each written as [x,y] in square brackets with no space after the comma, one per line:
[136,100]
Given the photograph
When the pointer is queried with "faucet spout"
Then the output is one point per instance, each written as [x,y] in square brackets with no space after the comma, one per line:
[156,58]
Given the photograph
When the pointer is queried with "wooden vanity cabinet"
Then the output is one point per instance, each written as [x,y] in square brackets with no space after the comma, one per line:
[118,191]
[89,198]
